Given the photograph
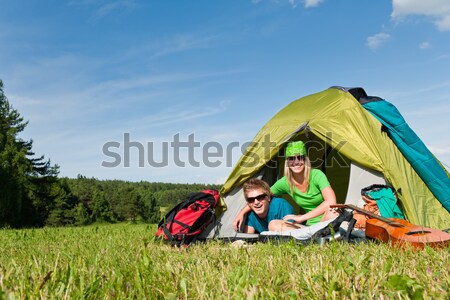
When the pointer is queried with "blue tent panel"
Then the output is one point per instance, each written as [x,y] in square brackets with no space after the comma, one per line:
[414,150]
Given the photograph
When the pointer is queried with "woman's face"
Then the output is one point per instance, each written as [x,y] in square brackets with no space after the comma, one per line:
[296,164]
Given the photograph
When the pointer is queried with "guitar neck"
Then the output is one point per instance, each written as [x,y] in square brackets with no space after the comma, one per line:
[367,213]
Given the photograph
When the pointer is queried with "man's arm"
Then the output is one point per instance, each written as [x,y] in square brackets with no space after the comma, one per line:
[249,229]
[239,219]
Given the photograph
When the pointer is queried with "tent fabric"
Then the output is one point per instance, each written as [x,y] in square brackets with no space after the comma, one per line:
[360,177]
[337,118]
[414,150]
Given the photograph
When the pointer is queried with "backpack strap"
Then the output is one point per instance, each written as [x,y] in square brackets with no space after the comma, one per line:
[333,225]
[167,233]
[192,198]
[184,225]
[351,225]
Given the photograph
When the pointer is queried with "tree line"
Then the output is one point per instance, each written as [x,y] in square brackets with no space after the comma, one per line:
[32,194]
[91,200]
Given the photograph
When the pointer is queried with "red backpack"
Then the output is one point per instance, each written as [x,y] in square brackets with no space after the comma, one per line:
[186,221]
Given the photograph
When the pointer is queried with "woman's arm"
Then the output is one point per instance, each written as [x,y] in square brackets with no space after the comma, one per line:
[239,219]
[329,198]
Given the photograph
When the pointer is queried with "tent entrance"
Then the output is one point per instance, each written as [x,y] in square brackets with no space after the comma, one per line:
[346,177]
[323,157]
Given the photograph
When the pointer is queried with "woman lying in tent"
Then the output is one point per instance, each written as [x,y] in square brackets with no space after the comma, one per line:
[308,187]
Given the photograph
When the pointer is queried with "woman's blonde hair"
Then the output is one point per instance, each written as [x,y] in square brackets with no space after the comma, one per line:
[289,177]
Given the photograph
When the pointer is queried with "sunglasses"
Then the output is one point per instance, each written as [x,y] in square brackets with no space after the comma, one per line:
[259,198]
[292,159]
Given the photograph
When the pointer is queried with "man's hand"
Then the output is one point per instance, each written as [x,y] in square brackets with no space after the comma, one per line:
[238,221]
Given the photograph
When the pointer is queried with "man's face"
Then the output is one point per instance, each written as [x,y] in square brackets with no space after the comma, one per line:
[258,201]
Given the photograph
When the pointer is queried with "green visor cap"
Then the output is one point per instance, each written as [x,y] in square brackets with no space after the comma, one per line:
[295,148]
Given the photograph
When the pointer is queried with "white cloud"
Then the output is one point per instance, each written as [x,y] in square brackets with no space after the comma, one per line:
[425,45]
[182,43]
[295,3]
[180,114]
[106,7]
[109,7]
[307,3]
[221,180]
[438,10]
[439,150]
[312,3]
[443,23]
[375,41]
[441,110]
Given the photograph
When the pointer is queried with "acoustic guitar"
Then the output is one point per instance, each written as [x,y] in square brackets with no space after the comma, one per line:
[400,232]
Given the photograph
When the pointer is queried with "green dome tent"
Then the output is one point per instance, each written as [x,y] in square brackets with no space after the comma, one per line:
[345,141]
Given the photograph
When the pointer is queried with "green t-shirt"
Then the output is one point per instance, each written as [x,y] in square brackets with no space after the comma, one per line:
[309,200]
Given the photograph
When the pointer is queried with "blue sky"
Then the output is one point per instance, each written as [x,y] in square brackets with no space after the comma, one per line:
[86,73]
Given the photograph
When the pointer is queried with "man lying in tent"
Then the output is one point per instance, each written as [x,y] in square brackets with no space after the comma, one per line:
[266,211]
[308,187]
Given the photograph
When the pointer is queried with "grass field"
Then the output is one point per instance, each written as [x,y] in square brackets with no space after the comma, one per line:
[123,261]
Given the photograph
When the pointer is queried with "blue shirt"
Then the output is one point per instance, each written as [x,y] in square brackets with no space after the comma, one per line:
[278,208]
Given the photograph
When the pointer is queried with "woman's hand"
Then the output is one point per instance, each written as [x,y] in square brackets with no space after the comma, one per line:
[295,218]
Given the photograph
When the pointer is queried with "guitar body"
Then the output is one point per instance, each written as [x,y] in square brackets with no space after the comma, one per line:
[402,232]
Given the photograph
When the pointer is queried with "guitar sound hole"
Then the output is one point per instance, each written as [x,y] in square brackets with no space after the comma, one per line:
[418,232]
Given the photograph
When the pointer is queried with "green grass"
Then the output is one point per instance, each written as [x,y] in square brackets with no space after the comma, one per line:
[163,210]
[124,262]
